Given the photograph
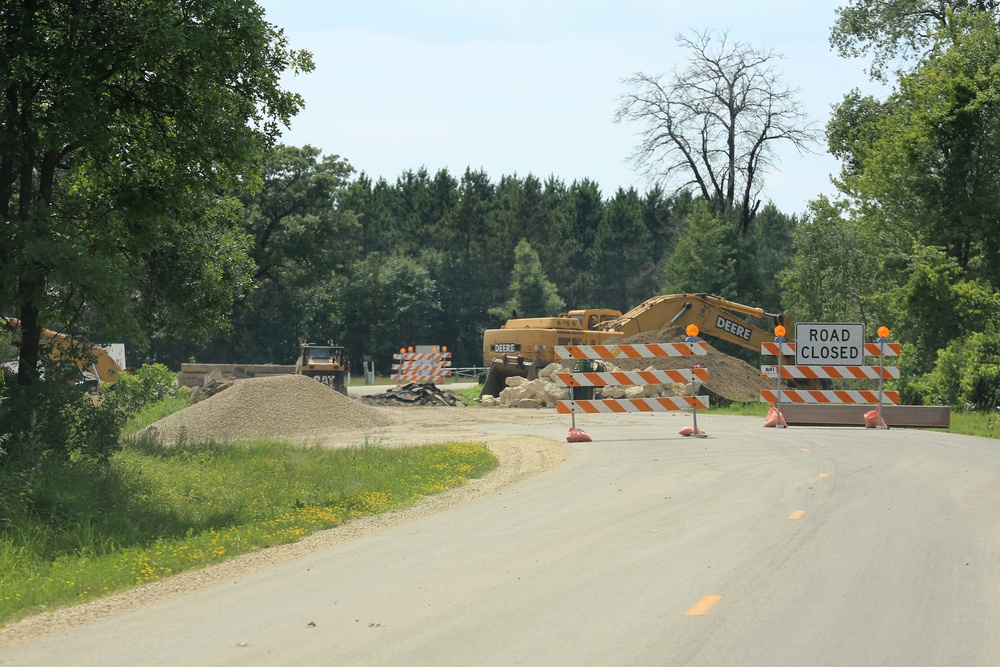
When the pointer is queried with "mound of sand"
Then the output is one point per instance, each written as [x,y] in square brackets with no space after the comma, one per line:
[280,406]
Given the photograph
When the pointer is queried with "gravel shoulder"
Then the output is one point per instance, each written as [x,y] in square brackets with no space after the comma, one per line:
[521,457]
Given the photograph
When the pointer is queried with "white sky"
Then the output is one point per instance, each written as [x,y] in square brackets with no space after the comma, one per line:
[526,86]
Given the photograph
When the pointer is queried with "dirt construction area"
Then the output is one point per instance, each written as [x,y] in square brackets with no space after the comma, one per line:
[303,411]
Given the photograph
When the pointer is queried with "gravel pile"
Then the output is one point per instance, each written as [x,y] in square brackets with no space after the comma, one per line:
[277,406]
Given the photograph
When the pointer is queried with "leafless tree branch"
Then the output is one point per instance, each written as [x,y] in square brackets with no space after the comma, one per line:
[714,126]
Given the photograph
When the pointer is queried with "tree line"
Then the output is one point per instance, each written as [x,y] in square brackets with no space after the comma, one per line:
[431,259]
[145,197]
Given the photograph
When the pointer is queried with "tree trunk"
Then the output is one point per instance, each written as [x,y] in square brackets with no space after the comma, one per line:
[30,350]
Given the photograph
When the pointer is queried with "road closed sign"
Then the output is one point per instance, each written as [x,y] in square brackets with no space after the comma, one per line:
[828,344]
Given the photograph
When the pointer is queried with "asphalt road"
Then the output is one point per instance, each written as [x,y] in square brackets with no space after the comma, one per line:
[754,546]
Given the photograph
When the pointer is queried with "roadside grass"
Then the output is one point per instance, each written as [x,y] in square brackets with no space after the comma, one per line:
[756,409]
[154,412]
[468,395]
[76,532]
[982,424]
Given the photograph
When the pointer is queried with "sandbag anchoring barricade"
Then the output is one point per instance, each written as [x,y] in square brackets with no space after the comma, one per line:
[421,367]
[876,397]
[693,402]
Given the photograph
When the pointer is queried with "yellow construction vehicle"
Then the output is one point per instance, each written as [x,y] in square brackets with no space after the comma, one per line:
[521,347]
[96,362]
[325,363]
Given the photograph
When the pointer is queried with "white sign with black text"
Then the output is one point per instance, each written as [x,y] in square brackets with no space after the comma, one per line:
[829,344]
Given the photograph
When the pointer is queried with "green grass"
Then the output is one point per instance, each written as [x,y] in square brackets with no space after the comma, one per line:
[756,409]
[983,424]
[76,532]
[155,412]
[467,395]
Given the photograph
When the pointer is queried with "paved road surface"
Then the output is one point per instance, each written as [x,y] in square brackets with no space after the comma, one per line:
[752,547]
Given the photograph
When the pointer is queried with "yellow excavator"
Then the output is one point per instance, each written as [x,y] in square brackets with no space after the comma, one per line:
[522,347]
[94,361]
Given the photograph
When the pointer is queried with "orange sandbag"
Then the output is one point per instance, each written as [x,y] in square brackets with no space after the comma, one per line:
[772,418]
[871,419]
[578,435]
[689,430]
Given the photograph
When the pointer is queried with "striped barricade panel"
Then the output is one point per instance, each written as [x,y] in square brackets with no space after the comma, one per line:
[852,396]
[871,349]
[621,405]
[422,356]
[411,365]
[887,349]
[629,377]
[775,349]
[631,351]
[410,376]
[837,372]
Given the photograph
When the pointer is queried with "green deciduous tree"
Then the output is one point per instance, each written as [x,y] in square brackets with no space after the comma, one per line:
[302,236]
[835,275]
[928,162]
[896,30]
[121,121]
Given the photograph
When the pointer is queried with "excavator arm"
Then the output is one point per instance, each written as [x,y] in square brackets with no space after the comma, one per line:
[713,315]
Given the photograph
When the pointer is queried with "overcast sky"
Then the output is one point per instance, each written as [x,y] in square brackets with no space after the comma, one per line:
[531,86]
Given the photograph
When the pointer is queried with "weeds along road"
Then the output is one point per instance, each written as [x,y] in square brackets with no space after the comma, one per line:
[754,546]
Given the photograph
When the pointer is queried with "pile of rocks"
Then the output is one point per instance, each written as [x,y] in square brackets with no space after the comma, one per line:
[543,392]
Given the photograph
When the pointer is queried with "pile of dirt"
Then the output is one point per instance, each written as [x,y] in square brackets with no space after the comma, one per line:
[280,406]
[729,378]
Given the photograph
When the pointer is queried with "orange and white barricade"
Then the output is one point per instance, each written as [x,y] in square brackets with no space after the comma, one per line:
[421,366]
[597,379]
[878,397]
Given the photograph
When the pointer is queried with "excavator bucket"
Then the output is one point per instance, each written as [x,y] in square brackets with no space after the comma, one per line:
[503,368]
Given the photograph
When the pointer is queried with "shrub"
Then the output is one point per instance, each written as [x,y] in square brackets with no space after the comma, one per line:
[966,374]
[132,392]
[55,419]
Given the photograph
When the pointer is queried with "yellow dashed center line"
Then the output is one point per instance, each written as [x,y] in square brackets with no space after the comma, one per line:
[797,514]
[703,605]
[807,451]
[824,475]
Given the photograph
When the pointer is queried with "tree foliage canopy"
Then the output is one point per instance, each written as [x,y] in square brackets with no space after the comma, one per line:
[121,122]
[897,31]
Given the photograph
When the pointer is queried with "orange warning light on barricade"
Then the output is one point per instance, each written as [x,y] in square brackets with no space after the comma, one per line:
[444,348]
[409,349]
[779,331]
[402,350]
[692,330]
[883,332]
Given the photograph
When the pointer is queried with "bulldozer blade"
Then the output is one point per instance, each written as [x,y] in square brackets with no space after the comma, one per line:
[500,370]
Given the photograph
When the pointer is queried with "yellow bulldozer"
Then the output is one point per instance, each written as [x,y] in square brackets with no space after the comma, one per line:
[324,363]
[522,347]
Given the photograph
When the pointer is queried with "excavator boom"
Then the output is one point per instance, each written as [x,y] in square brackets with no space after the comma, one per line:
[89,358]
[523,346]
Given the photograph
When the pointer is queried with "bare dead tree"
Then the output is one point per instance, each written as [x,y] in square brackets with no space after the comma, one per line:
[714,126]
